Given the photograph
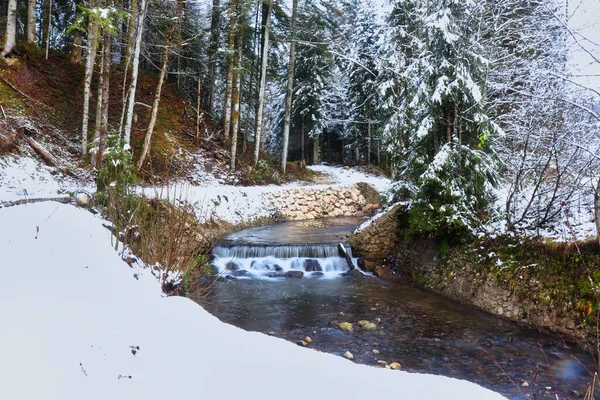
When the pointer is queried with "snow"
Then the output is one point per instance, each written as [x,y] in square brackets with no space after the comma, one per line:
[71,310]
[23,177]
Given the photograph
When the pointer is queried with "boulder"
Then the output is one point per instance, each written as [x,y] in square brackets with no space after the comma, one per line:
[239,273]
[294,274]
[83,200]
[311,265]
[231,266]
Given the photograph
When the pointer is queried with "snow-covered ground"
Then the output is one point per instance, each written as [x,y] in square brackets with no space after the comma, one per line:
[72,313]
[24,177]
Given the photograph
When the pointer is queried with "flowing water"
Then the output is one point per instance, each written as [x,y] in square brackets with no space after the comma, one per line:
[421,331]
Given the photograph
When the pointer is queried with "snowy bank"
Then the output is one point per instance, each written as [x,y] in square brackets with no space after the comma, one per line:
[71,310]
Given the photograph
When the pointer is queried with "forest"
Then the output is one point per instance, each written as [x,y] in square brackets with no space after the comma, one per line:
[473,107]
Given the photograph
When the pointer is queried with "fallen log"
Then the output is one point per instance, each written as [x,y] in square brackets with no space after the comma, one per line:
[60,199]
[344,253]
[42,152]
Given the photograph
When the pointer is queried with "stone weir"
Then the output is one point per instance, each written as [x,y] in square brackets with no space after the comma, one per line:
[287,250]
[315,203]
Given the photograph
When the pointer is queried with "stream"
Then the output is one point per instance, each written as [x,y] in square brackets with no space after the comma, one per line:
[289,281]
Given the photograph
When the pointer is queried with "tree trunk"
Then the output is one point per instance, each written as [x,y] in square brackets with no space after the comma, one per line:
[230,62]
[369,135]
[199,92]
[106,62]
[302,158]
[289,90]
[10,38]
[134,72]
[45,17]
[89,71]
[263,84]
[597,210]
[214,47]
[99,100]
[133,12]
[236,97]
[161,79]
[315,157]
[76,54]
[31,20]
[49,28]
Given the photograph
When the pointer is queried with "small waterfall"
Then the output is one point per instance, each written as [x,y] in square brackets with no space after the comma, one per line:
[280,261]
[280,251]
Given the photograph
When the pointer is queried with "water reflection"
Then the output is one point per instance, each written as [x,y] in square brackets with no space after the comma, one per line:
[422,331]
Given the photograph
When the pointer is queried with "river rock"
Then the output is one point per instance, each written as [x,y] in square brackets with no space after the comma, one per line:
[354,273]
[381,362]
[395,365]
[348,355]
[317,274]
[346,327]
[231,266]
[239,273]
[367,325]
[274,275]
[308,340]
[302,343]
[277,268]
[312,265]
[376,352]
[213,271]
[294,274]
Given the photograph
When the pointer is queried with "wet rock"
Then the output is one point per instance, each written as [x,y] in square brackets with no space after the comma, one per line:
[277,268]
[294,274]
[231,266]
[239,273]
[395,365]
[354,273]
[341,314]
[376,352]
[308,340]
[312,265]
[378,320]
[382,363]
[213,271]
[271,333]
[367,325]
[349,355]
[274,275]
[346,327]
[317,274]
[302,343]
[384,273]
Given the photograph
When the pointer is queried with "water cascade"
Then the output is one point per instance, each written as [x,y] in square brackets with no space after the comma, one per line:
[281,261]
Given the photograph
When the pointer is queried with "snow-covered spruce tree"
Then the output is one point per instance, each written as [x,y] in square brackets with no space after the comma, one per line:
[363,93]
[314,65]
[450,163]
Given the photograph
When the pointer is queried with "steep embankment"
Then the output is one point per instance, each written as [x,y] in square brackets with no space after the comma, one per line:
[540,284]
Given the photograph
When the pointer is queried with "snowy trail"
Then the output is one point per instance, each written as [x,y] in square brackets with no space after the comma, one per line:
[71,309]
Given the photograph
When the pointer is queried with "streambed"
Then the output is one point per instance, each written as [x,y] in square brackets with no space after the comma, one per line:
[421,331]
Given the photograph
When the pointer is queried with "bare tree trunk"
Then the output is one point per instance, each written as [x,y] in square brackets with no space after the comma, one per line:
[133,12]
[199,92]
[10,38]
[49,29]
[76,54]
[316,150]
[214,46]
[89,71]
[45,18]
[161,80]
[134,72]
[302,158]
[287,119]
[236,97]
[369,135]
[597,210]
[263,84]
[99,100]
[31,20]
[230,63]
[106,61]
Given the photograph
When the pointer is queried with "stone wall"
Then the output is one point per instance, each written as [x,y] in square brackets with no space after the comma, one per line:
[461,275]
[314,203]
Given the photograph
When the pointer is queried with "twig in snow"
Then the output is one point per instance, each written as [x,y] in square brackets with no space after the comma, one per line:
[124,377]
[83,369]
